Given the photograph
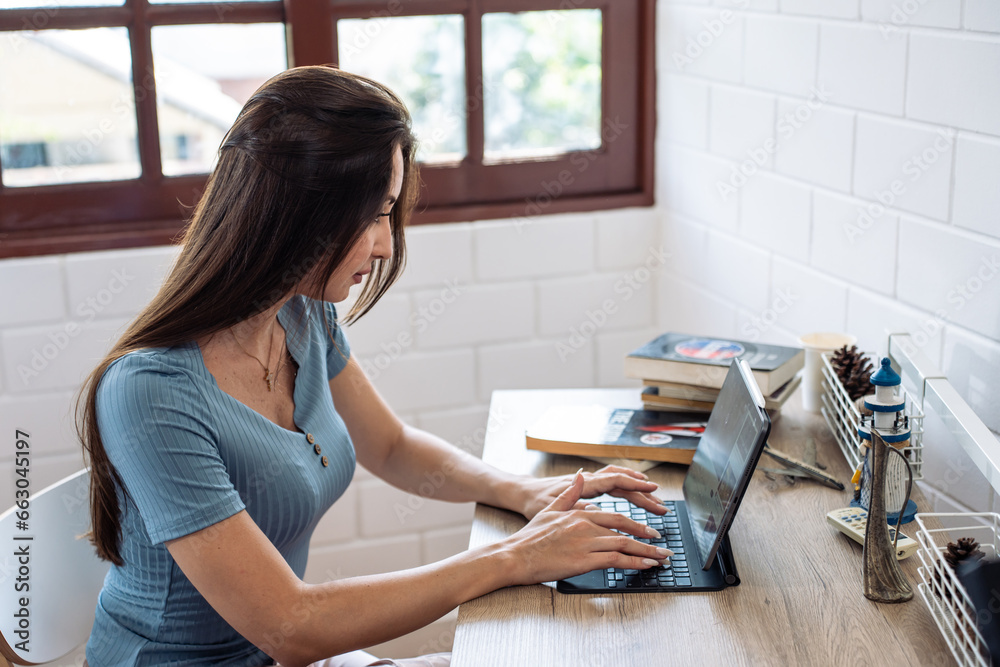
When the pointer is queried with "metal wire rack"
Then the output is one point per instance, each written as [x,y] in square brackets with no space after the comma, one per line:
[940,588]
[843,418]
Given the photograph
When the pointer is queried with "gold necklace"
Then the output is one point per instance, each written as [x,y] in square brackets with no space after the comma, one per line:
[269,376]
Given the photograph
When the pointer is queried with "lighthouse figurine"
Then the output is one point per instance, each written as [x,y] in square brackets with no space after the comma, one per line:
[893,426]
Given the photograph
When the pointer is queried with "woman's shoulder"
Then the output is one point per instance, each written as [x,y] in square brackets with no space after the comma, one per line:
[149,369]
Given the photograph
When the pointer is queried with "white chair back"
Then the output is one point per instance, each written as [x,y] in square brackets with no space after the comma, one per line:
[49,576]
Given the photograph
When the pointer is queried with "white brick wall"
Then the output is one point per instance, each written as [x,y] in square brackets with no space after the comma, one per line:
[879,207]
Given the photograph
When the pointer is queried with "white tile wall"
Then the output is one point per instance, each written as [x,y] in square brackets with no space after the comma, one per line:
[904,165]
[438,254]
[871,317]
[383,327]
[852,244]
[780,54]
[694,187]
[687,244]
[892,14]
[606,301]
[55,356]
[611,350]
[881,206]
[981,15]
[534,247]
[815,301]
[945,68]
[775,213]
[563,362]
[701,42]
[846,9]
[43,302]
[686,308]
[976,201]
[109,284]
[738,269]
[863,66]
[741,122]
[684,110]
[815,143]
[965,278]
[626,238]
[475,314]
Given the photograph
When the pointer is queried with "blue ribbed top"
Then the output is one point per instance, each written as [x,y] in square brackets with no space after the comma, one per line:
[192,455]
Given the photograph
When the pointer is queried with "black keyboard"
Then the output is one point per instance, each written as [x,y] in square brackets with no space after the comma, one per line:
[677,575]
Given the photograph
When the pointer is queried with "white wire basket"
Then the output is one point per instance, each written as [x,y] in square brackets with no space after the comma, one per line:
[843,418]
[940,588]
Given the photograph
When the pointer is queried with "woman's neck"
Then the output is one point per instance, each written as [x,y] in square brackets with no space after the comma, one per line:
[256,333]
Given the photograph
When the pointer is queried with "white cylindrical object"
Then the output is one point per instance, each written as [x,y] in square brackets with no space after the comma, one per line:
[815,345]
[884,419]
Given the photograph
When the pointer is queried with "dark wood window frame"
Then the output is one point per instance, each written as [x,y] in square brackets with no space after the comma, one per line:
[151,210]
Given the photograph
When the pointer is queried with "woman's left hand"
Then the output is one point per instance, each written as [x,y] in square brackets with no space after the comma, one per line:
[539,492]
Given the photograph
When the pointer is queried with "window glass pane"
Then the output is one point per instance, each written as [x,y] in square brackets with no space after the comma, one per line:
[422,59]
[542,80]
[204,76]
[220,5]
[41,19]
[67,107]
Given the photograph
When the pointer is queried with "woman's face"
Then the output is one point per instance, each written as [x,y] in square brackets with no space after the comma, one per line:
[375,243]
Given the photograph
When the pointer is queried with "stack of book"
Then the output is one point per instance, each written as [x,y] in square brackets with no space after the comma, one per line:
[685,373]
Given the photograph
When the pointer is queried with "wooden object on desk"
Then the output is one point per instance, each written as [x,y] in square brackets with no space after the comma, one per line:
[800,601]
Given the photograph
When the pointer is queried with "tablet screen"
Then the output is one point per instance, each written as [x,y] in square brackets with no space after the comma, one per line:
[724,461]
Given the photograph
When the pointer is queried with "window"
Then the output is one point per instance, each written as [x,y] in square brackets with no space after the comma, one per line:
[111,111]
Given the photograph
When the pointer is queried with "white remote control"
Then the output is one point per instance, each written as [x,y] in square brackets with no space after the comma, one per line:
[851,521]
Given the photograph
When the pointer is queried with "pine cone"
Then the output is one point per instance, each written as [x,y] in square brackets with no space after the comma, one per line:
[966,548]
[854,371]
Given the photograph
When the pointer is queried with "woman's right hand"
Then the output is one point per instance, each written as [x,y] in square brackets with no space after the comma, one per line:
[562,542]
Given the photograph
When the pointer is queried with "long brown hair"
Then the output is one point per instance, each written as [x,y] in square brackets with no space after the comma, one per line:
[301,175]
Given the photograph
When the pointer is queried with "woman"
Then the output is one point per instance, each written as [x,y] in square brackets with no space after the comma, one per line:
[229,416]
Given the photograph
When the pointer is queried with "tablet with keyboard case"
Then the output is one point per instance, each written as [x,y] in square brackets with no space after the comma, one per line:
[697,528]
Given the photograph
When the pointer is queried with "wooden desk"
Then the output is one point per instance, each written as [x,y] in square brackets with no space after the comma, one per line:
[799,603]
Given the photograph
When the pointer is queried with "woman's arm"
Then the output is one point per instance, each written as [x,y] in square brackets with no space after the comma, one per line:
[241,574]
[419,462]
